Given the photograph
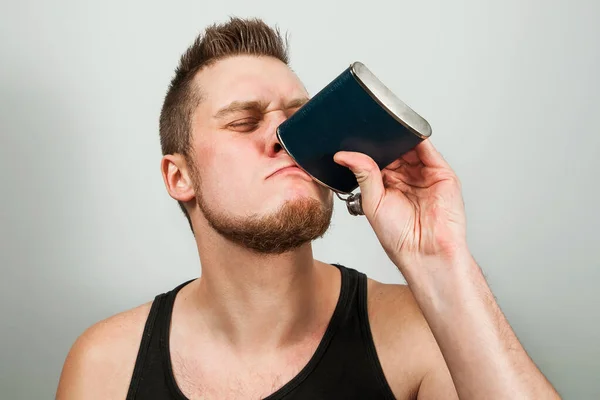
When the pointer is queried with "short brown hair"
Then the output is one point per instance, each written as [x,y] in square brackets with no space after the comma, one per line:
[218,41]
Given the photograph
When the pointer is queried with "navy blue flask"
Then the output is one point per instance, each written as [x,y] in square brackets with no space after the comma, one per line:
[354,112]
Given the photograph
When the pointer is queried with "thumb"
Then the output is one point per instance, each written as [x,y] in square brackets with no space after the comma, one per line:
[367,174]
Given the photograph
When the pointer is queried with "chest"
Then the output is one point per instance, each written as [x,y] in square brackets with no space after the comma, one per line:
[227,377]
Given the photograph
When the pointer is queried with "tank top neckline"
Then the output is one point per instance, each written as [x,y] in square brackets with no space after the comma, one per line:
[304,373]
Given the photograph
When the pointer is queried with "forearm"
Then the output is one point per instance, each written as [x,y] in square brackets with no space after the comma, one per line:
[483,354]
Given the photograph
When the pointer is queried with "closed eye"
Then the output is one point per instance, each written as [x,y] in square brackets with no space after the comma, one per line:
[244,125]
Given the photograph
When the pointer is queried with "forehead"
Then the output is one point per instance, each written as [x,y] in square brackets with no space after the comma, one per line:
[248,78]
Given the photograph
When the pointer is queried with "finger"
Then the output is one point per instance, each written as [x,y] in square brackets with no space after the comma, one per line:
[428,154]
[367,174]
[411,157]
[396,164]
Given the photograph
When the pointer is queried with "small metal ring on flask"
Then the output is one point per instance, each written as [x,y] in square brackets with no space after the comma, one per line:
[353,203]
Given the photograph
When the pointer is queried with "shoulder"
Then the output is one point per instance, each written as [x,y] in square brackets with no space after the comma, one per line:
[100,363]
[397,322]
[392,303]
[406,347]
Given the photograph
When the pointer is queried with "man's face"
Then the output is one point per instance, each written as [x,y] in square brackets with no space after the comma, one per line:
[246,184]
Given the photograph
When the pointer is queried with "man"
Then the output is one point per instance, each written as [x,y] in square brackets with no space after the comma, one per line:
[267,320]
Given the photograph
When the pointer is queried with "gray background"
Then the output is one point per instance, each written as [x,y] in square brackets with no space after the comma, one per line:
[87,229]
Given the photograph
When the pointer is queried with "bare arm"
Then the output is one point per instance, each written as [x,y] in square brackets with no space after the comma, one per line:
[481,351]
[415,207]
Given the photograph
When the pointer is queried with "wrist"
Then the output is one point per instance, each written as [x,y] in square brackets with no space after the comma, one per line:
[456,260]
[437,278]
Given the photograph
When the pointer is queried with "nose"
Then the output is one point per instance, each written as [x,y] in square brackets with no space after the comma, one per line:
[273,145]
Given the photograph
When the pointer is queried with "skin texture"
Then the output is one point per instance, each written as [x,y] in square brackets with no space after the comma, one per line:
[258,314]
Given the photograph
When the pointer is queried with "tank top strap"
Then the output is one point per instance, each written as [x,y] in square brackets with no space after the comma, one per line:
[153,355]
[140,362]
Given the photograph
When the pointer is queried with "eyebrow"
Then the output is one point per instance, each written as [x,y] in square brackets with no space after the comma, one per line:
[296,103]
[256,106]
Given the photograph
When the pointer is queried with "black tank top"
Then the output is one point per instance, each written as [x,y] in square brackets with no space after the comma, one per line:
[344,366]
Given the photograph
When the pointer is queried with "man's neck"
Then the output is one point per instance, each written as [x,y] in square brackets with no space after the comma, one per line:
[262,302]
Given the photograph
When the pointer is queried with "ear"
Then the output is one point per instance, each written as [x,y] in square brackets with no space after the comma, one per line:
[175,173]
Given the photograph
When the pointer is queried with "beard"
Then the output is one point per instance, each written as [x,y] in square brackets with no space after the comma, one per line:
[295,223]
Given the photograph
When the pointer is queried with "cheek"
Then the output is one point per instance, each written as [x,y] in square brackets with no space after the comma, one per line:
[229,171]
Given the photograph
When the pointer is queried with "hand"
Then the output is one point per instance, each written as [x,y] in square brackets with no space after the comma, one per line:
[414,205]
